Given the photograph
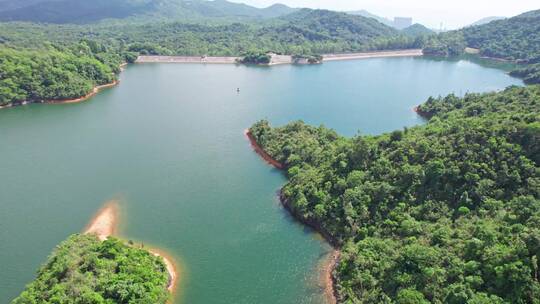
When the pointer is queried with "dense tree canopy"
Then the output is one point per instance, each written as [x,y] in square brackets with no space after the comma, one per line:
[416,30]
[85,270]
[256,58]
[529,73]
[27,75]
[448,212]
[305,31]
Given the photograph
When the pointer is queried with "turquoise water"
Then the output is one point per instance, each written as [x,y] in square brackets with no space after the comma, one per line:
[168,142]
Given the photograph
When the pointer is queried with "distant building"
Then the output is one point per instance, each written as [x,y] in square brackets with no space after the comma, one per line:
[402,22]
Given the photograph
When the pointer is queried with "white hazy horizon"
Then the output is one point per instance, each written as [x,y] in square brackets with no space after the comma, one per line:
[451,14]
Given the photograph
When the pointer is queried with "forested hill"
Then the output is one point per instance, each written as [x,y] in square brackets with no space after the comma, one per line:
[417,30]
[83,11]
[56,73]
[331,32]
[336,23]
[85,270]
[515,39]
[448,212]
[306,31]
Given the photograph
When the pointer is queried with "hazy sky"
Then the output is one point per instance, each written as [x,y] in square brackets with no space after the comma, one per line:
[452,13]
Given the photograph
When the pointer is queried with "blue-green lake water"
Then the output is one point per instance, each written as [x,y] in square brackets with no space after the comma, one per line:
[168,142]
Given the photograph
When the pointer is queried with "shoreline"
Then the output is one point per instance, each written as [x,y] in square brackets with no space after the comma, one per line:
[259,150]
[278,59]
[422,114]
[105,221]
[95,90]
[498,59]
[105,224]
[171,268]
[326,276]
[187,59]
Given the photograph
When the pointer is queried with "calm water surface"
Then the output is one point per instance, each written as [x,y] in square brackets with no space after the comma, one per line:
[168,142]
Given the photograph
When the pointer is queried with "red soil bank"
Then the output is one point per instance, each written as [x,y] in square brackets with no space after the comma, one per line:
[83,98]
[263,153]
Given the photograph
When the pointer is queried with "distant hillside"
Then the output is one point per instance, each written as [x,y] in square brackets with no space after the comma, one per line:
[277,10]
[388,22]
[223,8]
[417,30]
[6,5]
[83,11]
[305,32]
[77,11]
[515,39]
[367,14]
[486,20]
[338,25]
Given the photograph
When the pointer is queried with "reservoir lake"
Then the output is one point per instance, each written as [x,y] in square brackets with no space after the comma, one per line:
[169,144]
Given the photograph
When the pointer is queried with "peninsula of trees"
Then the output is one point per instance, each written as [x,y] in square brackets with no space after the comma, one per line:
[55,73]
[447,212]
[84,269]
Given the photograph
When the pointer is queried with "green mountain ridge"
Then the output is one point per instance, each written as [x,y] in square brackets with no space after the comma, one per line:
[417,29]
[82,11]
[336,24]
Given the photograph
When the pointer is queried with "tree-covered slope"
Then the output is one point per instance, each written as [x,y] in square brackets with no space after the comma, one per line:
[55,73]
[338,24]
[530,73]
[83,269]
[448,212]
[417,30]
[323,31]
[515,39]
[306,31]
